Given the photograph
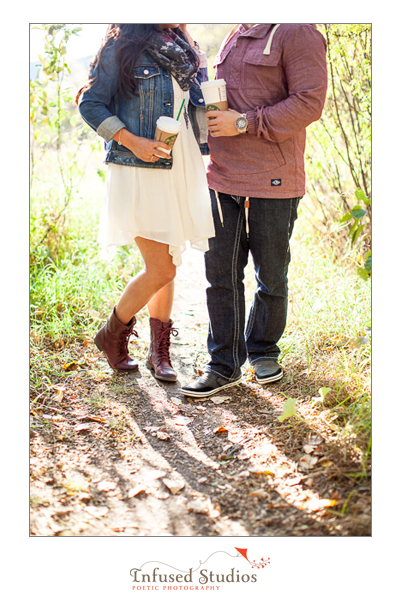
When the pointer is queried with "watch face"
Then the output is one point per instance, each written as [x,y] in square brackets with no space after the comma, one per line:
[241,123]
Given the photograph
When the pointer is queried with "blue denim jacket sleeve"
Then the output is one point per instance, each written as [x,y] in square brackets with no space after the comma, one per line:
[196,95]
[96,104]
[197,106]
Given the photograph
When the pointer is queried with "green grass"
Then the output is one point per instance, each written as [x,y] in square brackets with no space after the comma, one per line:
[71,286]
[329,326]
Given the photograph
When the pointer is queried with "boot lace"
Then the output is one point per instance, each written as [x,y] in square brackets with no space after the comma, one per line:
[164,343]
[124,339]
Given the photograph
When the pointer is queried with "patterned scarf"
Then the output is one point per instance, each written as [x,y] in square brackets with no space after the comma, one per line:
[172,53]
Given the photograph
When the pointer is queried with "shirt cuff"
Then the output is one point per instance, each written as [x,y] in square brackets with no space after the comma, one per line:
[109,127]
[251,119]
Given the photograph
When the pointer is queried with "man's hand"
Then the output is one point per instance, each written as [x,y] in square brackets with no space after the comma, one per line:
[222,122]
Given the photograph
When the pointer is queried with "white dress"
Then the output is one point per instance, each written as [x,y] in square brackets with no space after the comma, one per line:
[171,206]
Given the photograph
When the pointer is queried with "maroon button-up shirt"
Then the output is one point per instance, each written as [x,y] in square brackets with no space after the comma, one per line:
[277,75]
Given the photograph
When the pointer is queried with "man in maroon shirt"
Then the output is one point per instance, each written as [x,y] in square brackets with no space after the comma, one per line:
[276,80]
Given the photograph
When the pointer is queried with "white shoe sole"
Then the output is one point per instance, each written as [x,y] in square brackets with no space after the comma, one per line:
[195,394]
[270,379]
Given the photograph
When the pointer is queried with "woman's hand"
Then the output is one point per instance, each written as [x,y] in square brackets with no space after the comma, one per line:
[148,150]
[222,122]
[145,149]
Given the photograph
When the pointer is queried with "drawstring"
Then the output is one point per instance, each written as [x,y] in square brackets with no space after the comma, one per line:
[267,49]
[246,211]
[221,216]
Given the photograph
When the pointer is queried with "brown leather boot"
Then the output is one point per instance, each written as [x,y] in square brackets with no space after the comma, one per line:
[158,358]
[112,339]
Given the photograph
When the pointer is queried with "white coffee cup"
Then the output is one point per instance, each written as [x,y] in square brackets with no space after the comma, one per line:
[167,130]
[214,93]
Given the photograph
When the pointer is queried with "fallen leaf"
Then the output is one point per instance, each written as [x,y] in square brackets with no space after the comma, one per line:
[161,495]
[308,448]
[307,462]
[220,429]
[319,450]
[136,490]
[176,401]
[315,505]
[198,506]
[96,419]
[82,427]
[93,313]
[294,481]
[162,435]
[97,511]
[72,366]
[219,399]
[106,486]
[261,494]
[315,440]
[182,420]
[326,463]
[289,409]
[202,480]
[260,470]
[243,474]
[173,486]
[58,396]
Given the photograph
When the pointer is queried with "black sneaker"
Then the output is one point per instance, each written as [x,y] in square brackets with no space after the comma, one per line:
[207,385]
[267,371]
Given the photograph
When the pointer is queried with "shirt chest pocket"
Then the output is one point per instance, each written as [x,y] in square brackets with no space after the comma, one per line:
[147,79]
[263,77]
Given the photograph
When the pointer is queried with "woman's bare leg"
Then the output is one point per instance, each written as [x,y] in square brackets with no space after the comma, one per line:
[152,286]
[160,306]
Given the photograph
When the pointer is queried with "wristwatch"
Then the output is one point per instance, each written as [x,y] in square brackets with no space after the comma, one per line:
[242,123]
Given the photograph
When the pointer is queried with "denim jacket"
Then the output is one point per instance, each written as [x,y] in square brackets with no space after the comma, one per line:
[107,111]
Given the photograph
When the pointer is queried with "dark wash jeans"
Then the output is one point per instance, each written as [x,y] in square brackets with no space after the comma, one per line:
[271,224]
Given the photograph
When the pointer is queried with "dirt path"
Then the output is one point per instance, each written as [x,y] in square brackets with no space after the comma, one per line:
[125,455]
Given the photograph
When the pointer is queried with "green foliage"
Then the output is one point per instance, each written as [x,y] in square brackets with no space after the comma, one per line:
[69,282]
[289,409]
[339,145]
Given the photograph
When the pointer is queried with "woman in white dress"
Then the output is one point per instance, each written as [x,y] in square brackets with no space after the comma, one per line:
[157,199]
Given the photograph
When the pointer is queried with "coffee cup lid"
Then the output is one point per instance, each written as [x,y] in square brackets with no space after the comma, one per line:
[212,83]
[169,124]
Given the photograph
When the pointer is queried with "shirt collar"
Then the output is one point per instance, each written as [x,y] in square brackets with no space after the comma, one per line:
[258,31]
